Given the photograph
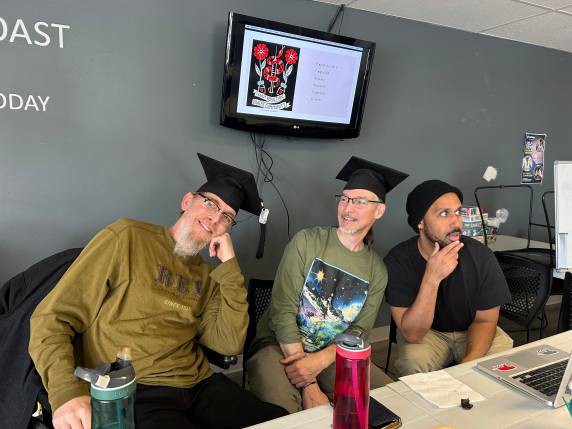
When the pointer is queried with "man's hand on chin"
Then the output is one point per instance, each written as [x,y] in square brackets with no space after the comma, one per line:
[221,247]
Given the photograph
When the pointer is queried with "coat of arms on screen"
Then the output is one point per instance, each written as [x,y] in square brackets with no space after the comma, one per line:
[272,75]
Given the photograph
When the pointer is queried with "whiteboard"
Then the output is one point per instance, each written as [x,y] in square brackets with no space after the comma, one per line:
[563,214]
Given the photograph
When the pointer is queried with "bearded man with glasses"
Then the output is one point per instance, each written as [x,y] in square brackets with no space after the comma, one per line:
[146,286]
[329,280]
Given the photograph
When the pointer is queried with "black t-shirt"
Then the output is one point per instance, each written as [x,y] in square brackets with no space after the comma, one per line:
[477,283]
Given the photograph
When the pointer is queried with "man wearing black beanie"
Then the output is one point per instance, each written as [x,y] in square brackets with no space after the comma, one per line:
[445,290]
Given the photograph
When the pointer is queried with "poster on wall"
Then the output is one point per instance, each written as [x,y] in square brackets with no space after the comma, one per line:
[533,158]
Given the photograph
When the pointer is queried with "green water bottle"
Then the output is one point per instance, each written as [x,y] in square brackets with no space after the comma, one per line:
[112,392]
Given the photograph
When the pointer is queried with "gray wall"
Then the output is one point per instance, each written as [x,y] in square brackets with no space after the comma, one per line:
[135,92]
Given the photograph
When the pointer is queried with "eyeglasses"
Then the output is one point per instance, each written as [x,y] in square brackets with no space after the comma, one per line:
[357,201]
[214,208]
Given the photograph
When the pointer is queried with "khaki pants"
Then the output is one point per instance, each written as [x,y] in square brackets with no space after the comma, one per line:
[439,349]
[268,381]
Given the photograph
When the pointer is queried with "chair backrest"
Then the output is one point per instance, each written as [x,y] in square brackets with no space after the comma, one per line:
[505,187]
[18,300]
[259,295]
[565,318]
[547,225]
[529,282]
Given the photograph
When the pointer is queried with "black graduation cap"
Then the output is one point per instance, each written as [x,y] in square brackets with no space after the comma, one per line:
[363,174]
[237,188]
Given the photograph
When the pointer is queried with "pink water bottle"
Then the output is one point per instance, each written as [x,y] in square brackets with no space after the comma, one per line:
[351,389]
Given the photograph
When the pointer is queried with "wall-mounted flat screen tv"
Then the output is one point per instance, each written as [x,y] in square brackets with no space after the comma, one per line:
[290,80]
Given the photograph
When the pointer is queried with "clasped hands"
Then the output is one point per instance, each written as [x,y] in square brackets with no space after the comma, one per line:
[302,369]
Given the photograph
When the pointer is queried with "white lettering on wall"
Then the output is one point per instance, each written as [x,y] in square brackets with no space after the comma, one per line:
[13,101]
[41,35]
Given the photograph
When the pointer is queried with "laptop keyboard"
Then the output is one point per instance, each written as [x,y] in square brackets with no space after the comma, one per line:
[546,379]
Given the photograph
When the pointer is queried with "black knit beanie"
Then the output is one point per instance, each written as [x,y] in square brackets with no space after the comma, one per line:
[420,199]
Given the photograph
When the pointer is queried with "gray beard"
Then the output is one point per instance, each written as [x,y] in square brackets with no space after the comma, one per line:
[186,246]
[347,231]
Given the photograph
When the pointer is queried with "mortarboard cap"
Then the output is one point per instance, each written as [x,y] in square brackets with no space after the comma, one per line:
[234,186]
[237,188]
[363,174]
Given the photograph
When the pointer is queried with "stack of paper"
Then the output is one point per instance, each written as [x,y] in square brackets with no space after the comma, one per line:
[439,388]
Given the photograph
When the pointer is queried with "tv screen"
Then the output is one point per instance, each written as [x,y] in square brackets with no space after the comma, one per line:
[285,79]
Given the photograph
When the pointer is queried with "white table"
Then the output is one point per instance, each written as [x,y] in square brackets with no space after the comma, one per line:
[509,242]
[503,407]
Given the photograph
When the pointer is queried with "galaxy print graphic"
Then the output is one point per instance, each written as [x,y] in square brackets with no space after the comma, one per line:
[330,301]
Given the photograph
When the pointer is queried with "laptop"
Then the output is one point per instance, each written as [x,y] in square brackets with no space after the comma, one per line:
[542,371]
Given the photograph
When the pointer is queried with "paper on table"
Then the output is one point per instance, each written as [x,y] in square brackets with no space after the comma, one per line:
[439,388]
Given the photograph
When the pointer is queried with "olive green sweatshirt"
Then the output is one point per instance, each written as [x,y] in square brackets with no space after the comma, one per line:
[127,288]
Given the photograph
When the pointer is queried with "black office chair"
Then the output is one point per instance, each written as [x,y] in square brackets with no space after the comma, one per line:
[19,297]
[565,318]
[259,295]
[542,256]
[529,282]
[392,339]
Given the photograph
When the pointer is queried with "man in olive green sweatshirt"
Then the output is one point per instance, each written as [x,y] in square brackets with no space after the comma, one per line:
[145,286]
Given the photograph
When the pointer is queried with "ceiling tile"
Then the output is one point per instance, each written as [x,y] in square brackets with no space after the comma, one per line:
[469,15]
[551,4]
[553,30]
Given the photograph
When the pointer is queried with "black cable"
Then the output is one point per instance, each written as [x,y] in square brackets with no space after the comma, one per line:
[285,208]
[253,140]
[264,163]
[341,20]
[341,9]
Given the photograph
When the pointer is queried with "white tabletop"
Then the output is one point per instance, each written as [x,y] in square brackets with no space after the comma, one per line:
[503,407]
[508,242]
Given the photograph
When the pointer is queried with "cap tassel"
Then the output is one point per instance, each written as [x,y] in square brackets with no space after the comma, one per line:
[262,218]
[261,240]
